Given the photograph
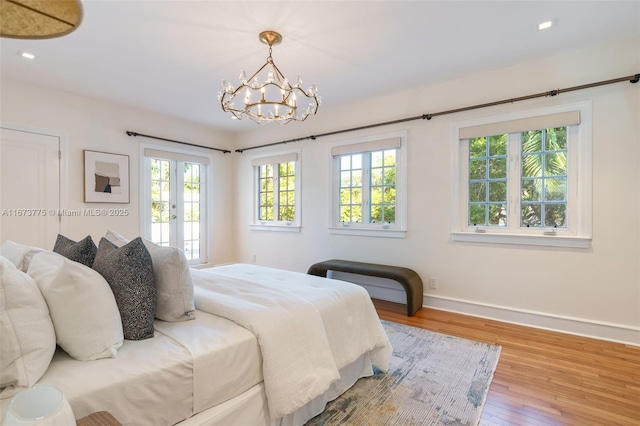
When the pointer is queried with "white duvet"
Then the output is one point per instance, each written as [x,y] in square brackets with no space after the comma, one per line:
[307,327]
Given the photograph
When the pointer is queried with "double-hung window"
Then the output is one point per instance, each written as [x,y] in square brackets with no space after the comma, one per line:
[369,186]
[173,201]
[277,192]
[525,178]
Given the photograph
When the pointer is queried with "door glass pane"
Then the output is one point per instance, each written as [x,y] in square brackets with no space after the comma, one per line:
[165,239]
[160,200]
[191,209]
[175,205]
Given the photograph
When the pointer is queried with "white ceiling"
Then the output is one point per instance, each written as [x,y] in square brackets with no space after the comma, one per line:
[170,56]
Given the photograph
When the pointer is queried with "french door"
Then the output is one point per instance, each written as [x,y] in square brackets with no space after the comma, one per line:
[174,207]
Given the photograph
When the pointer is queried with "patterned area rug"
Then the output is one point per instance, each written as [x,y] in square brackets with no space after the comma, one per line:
[433,379]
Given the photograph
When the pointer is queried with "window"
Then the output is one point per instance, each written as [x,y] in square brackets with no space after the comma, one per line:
[525,179]
[369,186]
[174,202]
[276,192]
[543,195]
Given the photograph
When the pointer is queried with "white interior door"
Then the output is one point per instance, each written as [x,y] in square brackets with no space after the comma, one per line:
[29,187]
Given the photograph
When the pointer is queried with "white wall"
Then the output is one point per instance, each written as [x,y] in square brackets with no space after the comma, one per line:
[593,291]
[100,126]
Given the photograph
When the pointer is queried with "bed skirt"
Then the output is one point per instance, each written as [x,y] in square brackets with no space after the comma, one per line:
[251,408]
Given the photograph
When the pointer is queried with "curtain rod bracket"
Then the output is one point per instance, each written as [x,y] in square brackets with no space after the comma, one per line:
[635,78]
[553,92]
[427,116]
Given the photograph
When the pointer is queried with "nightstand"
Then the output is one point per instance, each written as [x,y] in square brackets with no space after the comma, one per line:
[101,418]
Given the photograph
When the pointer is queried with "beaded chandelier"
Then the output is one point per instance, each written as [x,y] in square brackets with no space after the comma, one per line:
[268,96]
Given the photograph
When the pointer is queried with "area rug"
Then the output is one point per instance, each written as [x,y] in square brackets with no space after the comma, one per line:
[433,379]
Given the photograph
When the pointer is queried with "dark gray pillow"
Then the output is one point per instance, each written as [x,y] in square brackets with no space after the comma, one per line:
[129,272]
[83,251]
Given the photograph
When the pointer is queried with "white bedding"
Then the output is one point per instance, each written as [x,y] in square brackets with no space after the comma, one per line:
[335,323]
[251,407]
[148,383]
[201,368]
[186,368]
[226,357]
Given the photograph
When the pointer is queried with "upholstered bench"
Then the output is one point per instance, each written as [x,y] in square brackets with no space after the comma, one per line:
[408,278]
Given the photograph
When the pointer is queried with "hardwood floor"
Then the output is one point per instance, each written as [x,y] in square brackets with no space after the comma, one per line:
[544,377]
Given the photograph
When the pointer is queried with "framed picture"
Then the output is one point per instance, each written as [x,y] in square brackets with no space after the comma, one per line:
[106,177]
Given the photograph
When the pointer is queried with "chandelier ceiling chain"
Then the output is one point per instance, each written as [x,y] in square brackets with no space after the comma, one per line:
[272,100]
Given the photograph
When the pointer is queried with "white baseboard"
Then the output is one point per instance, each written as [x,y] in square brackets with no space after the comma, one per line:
[578,326]
[384,289]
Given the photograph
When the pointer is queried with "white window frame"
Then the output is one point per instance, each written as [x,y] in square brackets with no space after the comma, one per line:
[394,230]
[578,232]
[276,225]
[184,155]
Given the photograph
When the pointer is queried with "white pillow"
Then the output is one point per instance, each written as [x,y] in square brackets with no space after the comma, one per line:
[19,254]
[173,279]
[82,306]
[27,338]
[116,239]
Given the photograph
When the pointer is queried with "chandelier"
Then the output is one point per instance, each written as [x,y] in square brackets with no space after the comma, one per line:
[274,99]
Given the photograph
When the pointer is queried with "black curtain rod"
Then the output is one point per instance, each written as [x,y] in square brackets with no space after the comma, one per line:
[632,79]
[224,151]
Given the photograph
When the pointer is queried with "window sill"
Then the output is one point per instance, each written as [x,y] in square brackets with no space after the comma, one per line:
[275,227]
[521,239]
[368,232]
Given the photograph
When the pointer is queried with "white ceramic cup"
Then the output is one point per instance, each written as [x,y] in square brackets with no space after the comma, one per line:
[39,406]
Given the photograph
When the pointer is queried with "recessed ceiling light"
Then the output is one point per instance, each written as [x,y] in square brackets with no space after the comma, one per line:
[27,55]
[545,25]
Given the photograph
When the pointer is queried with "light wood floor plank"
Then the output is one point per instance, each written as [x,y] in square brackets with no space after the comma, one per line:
[543,377]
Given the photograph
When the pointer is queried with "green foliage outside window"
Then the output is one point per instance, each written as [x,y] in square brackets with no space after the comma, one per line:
[544,178]
[166,214]
[488,180]
[383,186]
[543,181]
[160,190]
[287,192]
[380,188]
[277,188]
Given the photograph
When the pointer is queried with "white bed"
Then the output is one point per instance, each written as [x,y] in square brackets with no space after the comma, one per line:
[303,341]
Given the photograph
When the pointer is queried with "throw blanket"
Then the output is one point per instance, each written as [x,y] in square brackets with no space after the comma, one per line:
[307,327]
